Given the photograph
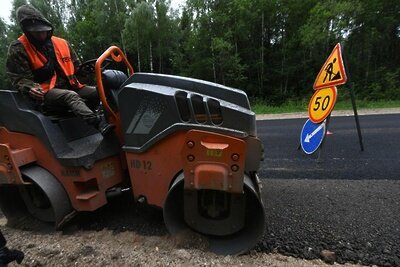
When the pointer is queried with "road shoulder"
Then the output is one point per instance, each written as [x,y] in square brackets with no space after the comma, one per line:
[335,113]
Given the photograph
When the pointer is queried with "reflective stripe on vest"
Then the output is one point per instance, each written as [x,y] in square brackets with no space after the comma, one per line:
[63,55]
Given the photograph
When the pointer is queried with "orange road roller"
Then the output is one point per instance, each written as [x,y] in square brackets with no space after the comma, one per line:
[185,145]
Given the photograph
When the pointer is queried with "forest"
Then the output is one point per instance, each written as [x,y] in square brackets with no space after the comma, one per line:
[271,49]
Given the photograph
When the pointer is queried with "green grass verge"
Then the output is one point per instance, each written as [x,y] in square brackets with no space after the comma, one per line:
[302,106]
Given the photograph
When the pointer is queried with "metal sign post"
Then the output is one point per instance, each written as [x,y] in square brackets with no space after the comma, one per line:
[353,103]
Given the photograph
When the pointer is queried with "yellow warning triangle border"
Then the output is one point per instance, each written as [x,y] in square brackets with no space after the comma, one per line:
[318,85]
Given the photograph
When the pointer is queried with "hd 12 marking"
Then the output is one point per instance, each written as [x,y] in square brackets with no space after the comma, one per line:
[141,164]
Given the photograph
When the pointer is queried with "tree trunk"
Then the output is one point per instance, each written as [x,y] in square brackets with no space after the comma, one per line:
[283,83]
[367,66]
[262,56]
[138,52]
[151,58]
[160,57]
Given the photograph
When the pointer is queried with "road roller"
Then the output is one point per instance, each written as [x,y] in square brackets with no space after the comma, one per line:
[185,145]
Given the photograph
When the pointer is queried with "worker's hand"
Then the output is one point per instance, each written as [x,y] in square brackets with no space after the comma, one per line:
[36,93]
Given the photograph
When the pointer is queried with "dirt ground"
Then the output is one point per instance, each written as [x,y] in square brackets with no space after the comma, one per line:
[128,248]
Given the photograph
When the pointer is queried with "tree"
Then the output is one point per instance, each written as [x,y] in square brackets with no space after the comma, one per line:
[139,34]
[272,49]
[95,26]
[55,11]
[166,36]
[373,50]
[3,54]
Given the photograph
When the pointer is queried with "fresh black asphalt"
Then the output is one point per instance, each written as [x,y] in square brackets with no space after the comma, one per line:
[340,198]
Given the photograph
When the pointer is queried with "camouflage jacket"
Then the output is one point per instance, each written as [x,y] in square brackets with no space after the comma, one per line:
[18,66]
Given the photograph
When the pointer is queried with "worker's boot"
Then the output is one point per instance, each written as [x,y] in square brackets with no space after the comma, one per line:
[100,123]
[104,127]
[10,255]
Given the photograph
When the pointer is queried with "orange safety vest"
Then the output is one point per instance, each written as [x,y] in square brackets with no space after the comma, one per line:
[63,55]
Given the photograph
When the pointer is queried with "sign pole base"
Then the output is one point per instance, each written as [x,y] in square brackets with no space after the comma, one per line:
[353,102]
[323,141]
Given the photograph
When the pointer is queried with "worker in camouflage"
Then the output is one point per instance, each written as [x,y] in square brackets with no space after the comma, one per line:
[43,67]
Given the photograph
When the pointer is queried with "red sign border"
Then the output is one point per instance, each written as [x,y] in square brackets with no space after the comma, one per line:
[341,67]
[334,89]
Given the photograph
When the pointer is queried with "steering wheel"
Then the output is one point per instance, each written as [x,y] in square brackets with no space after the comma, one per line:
[88,67]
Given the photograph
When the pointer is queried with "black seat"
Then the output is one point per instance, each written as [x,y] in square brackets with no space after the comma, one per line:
[112,81]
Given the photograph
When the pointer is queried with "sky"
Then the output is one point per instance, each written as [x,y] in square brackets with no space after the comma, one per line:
[6,5]
[5,9]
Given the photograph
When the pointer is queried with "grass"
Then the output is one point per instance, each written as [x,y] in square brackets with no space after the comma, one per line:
[260,107]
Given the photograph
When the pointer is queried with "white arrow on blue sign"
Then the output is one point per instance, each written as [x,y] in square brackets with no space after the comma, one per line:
[311,136]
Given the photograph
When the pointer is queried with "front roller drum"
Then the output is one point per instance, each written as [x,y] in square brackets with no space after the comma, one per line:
[232,223]
[44,198]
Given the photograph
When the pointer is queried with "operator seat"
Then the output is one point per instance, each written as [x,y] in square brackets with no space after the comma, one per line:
[112,81]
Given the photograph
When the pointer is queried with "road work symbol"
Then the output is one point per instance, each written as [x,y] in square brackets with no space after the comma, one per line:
[311,136]
[332,72]
[329,72]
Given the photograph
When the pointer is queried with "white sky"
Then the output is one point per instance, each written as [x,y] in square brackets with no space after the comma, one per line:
[5,9]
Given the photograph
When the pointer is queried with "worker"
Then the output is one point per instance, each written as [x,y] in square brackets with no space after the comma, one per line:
[43,67]
[8,255]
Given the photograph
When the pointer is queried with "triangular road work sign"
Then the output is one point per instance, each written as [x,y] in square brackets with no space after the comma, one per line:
[332,72]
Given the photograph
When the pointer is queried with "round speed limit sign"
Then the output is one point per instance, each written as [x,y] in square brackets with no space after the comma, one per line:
[321,104]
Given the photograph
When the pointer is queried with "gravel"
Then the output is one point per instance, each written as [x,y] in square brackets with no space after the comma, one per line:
[128,235]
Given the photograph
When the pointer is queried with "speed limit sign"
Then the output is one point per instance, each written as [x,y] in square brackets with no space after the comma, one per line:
[321,104]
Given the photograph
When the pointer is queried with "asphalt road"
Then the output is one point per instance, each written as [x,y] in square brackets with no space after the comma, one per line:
[342,200]
[339,199]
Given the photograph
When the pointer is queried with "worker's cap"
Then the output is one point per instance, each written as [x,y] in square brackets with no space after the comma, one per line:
[34,25]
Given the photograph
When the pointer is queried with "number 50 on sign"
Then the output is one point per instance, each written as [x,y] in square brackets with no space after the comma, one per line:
[321,104]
